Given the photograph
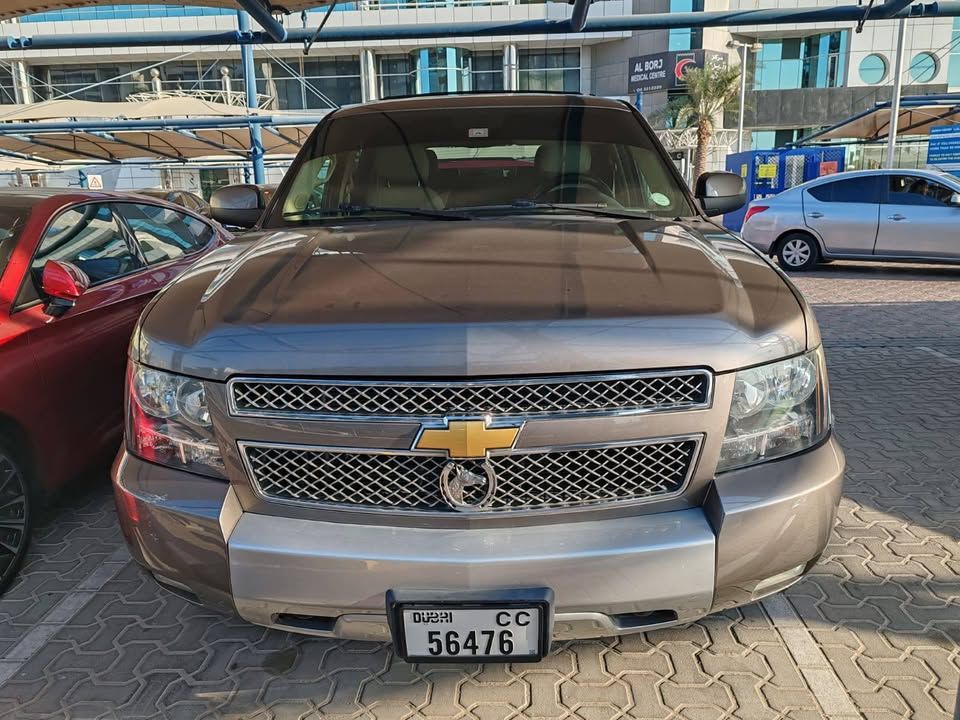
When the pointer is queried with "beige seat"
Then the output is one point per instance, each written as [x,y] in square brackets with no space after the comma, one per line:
[557,163]
[400,179]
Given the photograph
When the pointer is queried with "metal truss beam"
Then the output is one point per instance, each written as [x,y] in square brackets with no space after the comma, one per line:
[107,157]
[655,21]
[260,11]
[578,16]
[137,146]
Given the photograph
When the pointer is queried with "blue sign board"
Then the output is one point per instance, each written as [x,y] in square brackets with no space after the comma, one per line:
[944,146]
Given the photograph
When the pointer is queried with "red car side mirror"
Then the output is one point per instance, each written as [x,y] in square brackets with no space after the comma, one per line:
[62,283]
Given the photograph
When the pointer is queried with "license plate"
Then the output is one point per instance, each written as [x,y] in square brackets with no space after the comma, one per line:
[462,634]
[512,626]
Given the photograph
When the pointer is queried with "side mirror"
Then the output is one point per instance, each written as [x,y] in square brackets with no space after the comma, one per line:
[62,283]
[237,205]
[720,192]
[955,199]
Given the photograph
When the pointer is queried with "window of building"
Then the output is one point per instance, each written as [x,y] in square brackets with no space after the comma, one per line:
[873,69]
[442,70]
[487,68]
[113,82]
[298,83]
[923,67]
[685,38]
[815,61]
[769,139]
[397,75]
[555,70]
[8,93]
[953,63]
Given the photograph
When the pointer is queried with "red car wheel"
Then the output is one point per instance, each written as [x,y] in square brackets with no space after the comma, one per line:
[14,516]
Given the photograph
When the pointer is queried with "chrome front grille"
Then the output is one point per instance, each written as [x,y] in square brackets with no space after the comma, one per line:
[526,480]
[527,397]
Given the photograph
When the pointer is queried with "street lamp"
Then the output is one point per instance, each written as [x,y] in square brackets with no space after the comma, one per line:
[743,48]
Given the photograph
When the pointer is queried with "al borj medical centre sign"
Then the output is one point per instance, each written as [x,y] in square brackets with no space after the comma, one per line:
[668,70]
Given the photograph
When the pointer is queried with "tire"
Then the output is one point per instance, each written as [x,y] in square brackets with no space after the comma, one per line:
[15,515]
[798,252]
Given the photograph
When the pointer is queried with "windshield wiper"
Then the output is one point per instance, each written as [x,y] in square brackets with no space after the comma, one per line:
[588,208]
[348,209]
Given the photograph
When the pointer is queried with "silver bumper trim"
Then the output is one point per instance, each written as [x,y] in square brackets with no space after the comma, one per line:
[597,569]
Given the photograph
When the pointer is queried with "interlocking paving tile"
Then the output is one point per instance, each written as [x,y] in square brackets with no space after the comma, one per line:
[881,612]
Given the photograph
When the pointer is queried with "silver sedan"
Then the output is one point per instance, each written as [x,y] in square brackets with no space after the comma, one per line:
[889,215]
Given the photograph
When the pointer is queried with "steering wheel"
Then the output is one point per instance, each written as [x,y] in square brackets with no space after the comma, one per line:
[593,184]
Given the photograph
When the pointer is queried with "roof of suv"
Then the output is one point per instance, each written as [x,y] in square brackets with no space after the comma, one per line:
[477,100]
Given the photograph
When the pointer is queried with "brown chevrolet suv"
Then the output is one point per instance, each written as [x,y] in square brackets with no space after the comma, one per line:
[482,374]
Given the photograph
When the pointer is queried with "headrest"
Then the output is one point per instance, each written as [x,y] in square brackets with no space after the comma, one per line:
[408,164]
[557,159]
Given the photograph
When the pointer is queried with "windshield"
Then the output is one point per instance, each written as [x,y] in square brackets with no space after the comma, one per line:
[479,159]
[11,221]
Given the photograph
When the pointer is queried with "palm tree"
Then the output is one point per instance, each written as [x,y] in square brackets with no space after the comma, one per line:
[710,91]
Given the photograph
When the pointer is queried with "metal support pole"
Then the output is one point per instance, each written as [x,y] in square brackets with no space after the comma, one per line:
[250,85]
[743,96]
[891,160]
[261,12]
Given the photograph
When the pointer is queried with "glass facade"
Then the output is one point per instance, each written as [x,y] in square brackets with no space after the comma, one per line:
[308,83]
[556,70]
[769,139]
[953,61]
[8,94]
[815,61]
[294,83]
[397,75]
[487,70]
[442,70]
[685,38]
[53,81]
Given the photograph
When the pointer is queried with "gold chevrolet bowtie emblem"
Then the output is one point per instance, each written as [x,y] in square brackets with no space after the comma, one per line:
[466,438]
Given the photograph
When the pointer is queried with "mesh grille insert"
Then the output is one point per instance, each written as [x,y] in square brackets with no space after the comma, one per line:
[524,481]
[420,400]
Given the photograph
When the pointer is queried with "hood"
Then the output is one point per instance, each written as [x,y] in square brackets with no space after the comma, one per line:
[512,295]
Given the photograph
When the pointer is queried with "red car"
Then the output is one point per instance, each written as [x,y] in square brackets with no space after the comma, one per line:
[76,270]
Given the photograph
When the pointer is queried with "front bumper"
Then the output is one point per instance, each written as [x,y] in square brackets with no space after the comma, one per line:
[758,531]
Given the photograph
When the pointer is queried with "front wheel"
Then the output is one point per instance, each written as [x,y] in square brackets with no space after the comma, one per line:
[798,252]
[14,515]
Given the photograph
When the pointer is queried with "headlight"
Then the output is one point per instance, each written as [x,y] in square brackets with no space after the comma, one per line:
[168,421]
[777,409]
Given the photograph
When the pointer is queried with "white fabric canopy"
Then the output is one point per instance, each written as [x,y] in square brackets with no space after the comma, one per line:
[913,120]
[153,144]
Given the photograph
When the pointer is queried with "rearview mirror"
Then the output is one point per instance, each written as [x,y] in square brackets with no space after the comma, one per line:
[720,192]
[62,283]
[237,205]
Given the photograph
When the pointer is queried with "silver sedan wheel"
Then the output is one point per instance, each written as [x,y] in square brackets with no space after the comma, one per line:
[797,252]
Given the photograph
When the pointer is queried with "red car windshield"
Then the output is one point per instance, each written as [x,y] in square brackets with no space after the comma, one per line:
[11,222]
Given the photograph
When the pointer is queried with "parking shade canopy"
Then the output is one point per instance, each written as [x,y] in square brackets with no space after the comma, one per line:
[15,8]
[917,115]
[164,129]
